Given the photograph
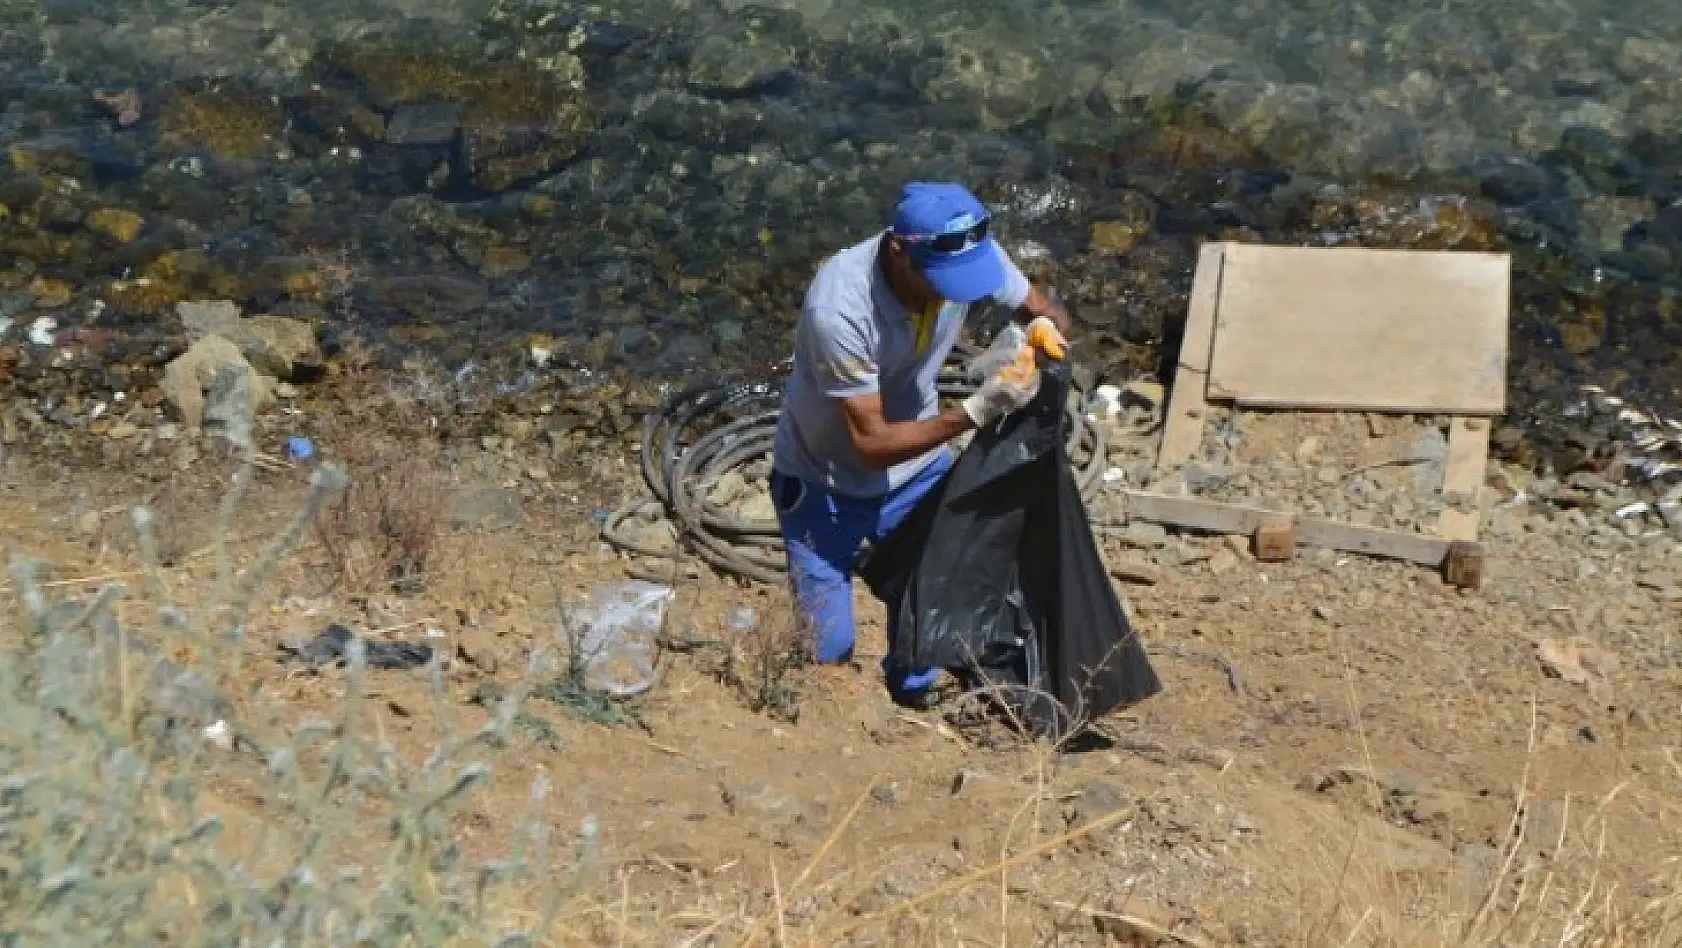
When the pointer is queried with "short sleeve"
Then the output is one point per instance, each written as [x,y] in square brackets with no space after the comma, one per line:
[1014,292]
[840,353]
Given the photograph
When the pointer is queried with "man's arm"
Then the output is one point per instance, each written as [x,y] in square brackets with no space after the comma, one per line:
[1025,300]
[881,443]
[1038,304]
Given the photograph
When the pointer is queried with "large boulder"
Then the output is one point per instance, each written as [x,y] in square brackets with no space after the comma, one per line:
[212,381]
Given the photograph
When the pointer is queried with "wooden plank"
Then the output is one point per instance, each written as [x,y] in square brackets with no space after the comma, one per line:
[1468,456]
[1192,513]
[1359,329]
[1182,428]
[1421,548]
[1215,517]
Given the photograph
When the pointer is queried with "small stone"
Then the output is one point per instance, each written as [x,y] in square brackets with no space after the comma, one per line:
[49,293]
[727,489]
[1144,535]
[1323,613]
[1115,236]
[1329,476]
[123,106]
[1200,477]
[424,123]
[885,794]
[114,224]
[122,431]
[504,261]
[1097,800]
[1222,561]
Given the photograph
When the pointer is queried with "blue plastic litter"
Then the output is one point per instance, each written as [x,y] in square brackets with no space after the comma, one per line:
[300,448]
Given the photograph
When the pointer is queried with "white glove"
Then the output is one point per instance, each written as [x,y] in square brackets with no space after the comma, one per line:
[1001,394]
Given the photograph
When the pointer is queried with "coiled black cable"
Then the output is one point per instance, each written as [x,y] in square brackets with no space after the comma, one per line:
[711,429]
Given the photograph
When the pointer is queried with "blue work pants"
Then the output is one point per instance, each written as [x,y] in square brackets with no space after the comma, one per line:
[823,531]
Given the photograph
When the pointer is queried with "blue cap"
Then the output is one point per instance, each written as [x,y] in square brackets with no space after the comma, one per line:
[928,209]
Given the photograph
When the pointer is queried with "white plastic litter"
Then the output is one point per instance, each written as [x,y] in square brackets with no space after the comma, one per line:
[220,735]
[616,635]
[41,332]
[742,619]
[1105,403]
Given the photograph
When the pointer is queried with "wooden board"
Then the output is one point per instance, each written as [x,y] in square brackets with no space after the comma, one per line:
[1468,456]
[1183,422]
[1357,329]
[1215,517]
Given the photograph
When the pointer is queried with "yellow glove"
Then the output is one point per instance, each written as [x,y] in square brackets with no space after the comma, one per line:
[1043,335]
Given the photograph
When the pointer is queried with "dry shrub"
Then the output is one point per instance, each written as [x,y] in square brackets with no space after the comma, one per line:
[381,532]
[764,660]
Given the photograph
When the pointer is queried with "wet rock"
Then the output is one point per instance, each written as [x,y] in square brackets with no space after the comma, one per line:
[518,119]
[1514,182]
[424,123]
[122,106]
[115,225]
[739,63]
[431,299]
[49,293]
[501,261]
[227,119]
[276,346]
[215,367]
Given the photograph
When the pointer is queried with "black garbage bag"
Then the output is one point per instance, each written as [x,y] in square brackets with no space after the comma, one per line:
[996,577]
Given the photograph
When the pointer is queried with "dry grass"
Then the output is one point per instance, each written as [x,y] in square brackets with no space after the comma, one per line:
[381,532]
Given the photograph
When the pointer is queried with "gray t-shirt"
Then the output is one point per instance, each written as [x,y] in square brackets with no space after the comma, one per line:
[855,338]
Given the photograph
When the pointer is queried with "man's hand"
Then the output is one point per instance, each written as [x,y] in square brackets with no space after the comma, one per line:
[1039,306]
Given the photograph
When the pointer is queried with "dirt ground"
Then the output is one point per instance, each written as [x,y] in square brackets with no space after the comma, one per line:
[1347,750]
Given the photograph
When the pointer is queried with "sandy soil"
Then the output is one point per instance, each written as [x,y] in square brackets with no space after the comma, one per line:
[1347,750]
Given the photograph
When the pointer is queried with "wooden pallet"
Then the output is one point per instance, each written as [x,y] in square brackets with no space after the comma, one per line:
[1319,329]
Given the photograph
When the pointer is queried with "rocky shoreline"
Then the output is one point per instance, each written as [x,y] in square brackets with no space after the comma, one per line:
[546,207]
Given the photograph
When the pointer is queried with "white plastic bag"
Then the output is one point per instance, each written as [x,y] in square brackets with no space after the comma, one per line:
[1006,347]
[616,635]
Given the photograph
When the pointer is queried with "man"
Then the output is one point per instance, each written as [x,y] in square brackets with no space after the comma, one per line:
[862,436]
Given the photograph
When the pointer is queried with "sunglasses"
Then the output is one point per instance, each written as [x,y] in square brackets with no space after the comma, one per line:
[955,241]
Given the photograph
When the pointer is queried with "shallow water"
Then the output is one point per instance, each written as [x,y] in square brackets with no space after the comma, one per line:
[651,183]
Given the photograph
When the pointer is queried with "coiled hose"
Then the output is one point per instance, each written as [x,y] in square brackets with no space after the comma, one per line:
[714,428]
